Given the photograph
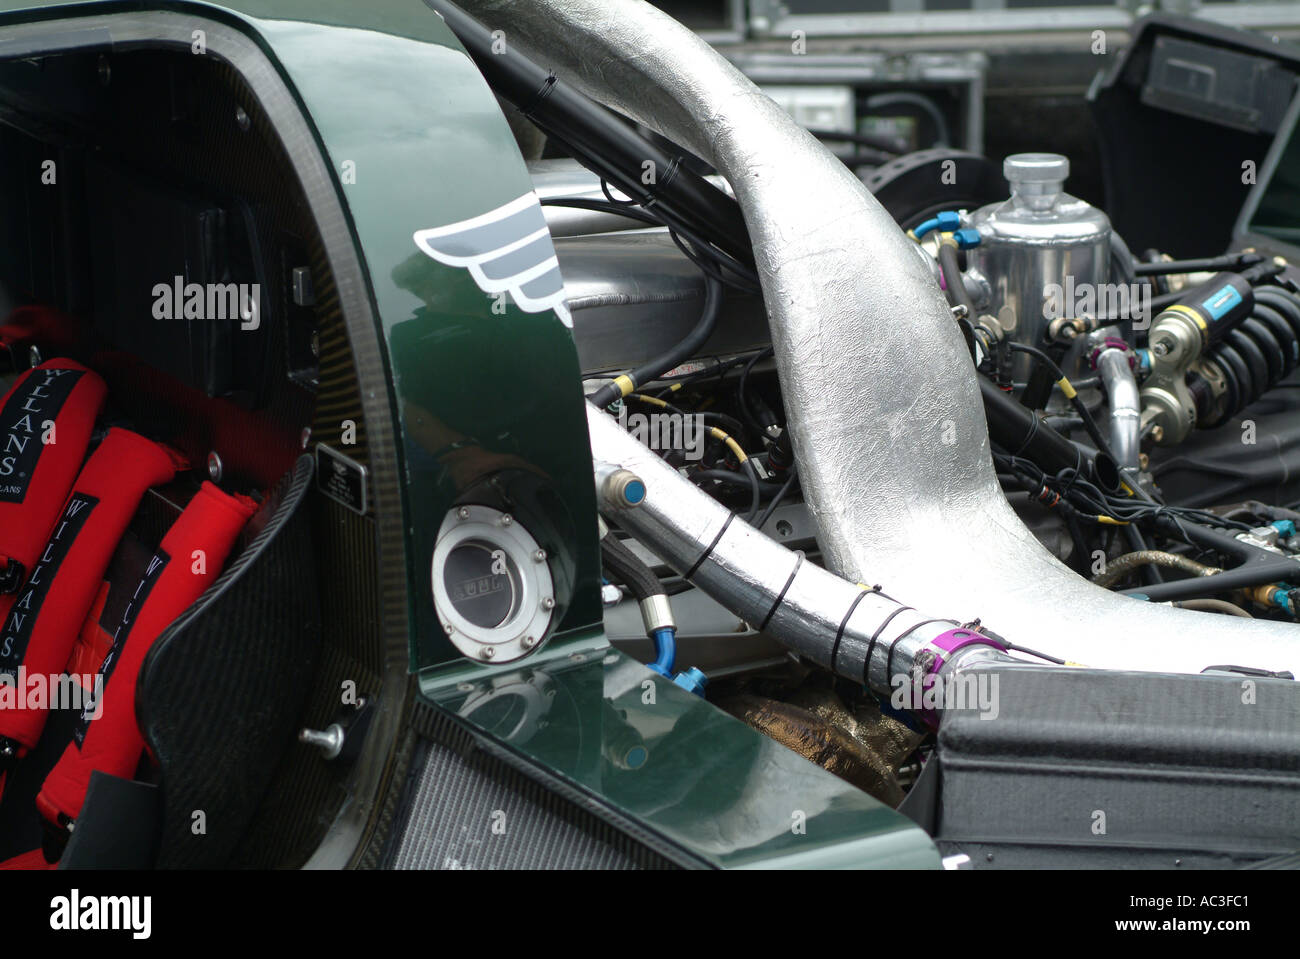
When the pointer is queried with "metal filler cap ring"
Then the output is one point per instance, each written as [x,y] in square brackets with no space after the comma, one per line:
[1036,168]
[494,598]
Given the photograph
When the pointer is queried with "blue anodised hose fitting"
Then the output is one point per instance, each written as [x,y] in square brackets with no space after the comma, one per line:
[945,222]
[692,680]
[665,640]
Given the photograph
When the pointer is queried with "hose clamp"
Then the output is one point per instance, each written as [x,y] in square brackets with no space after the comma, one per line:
[941,649]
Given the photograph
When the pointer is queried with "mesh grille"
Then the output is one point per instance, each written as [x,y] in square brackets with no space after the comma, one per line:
[465,809]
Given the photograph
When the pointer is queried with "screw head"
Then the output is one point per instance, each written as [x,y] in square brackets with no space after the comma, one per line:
[528,642]
[548,603]
[465,687]
[507,520]
[214,466]
[487,652]
[241,118]
[448,629]
[539,556]
[462,513]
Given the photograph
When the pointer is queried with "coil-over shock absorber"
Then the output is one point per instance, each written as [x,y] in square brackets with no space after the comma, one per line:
[1251,359]
[1217,350]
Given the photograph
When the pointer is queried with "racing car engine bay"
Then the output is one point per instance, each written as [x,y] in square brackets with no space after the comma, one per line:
[981,496]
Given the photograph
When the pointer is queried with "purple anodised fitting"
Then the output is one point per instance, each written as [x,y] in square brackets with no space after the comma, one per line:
[1112,343]
[943,647]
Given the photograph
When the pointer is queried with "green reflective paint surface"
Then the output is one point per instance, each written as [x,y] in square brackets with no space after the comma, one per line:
[705,781]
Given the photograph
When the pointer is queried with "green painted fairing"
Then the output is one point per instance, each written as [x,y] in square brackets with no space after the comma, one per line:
[702,780]
[417,140]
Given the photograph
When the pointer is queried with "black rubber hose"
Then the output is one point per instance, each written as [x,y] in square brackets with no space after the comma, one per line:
[677,355]
[1020,432]
[952,278]
[957,294]
[729,478]
[1243,577]
[1257,566]
[1089,424]
[624,566]
[1231,261]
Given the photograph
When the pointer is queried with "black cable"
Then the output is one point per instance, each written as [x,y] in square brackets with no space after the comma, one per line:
[604,188]
[1080,407]
[1078,492]
[720,370]
[1033,652]
[745,412]
[617,152]
[711,266]
[1082,551]
[709,259]
[602,206]
[684,349]
[731,478]
[776,500]
[721,257]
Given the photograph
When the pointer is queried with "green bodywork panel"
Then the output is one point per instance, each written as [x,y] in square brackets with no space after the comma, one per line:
[415,140]
[706,782]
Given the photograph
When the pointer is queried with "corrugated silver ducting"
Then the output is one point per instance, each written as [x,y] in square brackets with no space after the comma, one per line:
[883,404]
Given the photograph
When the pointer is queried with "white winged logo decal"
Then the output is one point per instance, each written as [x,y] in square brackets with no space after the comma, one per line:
[505,250]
